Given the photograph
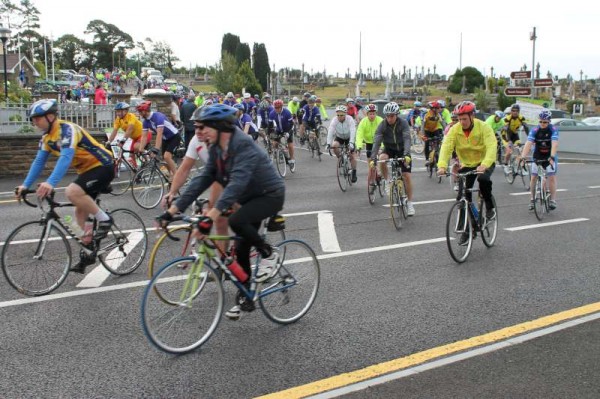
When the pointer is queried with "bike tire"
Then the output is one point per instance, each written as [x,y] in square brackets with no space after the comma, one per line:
[123,177]
[191,314]
[524,173]
[510,177]
[396,206]
[341,178]
[322,136]
[25,273]
[287,296]
[417,145]
[458,221]
[489,228]
[371,185]
[124,248]
[148,187]
[539,207]
[280,163]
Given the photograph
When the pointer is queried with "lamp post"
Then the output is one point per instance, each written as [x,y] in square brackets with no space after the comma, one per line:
[4,36]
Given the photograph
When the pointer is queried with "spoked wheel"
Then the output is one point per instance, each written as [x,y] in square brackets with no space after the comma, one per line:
[382,185]
[524,173]
[123,177]
[371,185]
[417,144]
[192,309]
[341,177]
[489,228]
[279,159]
[148,187]
[539,205]
[457,225]
[510,176]
[124,248]
[36,258]
[396,206]
[348,172]
[290,293]
[322,136]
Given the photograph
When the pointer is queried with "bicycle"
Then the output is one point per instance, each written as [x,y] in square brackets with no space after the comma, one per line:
[190,305]
[375,182]
[397,195]
[460,222]
[541,204]
[343,168]
[279,153]
[516,167]
[36,257]
[416,144]
[150,182]
[313,143]
[322,134]
[434,146]
[124,169]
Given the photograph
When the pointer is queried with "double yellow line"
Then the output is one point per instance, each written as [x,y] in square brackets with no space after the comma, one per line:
[380,369]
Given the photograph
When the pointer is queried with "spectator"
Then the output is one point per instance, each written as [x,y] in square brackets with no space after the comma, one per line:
[187,110]
[100,96]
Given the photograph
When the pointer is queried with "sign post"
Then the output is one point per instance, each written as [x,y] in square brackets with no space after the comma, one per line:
[517,91]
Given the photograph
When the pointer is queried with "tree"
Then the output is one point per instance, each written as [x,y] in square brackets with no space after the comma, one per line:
[71,52]
[474,79]
[225,75]
[106,38]
[229,44]
[245,79]
[242,53]
[260,63]
[504,101]
[29,23]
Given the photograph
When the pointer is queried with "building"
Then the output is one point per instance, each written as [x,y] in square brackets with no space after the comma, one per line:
[13,72]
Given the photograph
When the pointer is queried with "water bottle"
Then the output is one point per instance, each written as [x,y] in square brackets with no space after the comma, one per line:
[72,226]
[88,232]
[475,211]
[237,270]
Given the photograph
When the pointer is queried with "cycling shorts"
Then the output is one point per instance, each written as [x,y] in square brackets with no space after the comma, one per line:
[396,154]
[95,180]
[171,144]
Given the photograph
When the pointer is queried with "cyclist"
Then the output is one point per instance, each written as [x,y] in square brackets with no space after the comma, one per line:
[264,110]
[414,116]
[132,127]
[342,131]
[75,147]
[294,106]
[249,104]
[446,114]
[476,148]
[394,133]
[247,177]
[167,136]
[544,139]
[284,121]
[310,119]
[244,122]
[352,110]
[322,109]
[510,133]
[496,122]
[433,127]
[229,99]
[365,132]
[456,164]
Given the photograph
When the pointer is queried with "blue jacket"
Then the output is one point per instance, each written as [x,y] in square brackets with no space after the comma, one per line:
[284,121]
[311,116]
[245,173]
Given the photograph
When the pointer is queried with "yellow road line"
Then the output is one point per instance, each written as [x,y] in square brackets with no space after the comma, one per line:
[380,369]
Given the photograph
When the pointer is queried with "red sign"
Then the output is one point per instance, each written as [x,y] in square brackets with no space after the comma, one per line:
[520,75]
[542,82]
[517,91]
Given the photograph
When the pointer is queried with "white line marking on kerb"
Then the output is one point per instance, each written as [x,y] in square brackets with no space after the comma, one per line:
[527,192]
[535,226]
[304,213]
[327,234]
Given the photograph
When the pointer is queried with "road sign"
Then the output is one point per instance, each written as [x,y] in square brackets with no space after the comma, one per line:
[542,82]
[517,91]
[520,75]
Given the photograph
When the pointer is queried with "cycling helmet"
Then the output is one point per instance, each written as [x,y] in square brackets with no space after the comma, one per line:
[217,113]
[418,104]
[306,95]
[433,104]
[313,97]
[311,100]
[121,105]
[499,114]
[464,107]
[515,106]
[371,108]
[295,99]
[391,108]
[318,100]
[208,102]
[454,116]
[263,104]
[144,106]
[341,108]
[196,114]
[442,103]
[545,115]
[349,100]
[278,103]
[266,95]
[238,107]
[247,95]
[256,97]
[229,95]
[43,107]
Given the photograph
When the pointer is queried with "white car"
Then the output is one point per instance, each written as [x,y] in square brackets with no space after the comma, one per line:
[566,122]
[592,121]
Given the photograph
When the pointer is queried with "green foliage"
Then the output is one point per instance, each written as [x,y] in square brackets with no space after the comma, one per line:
[107,37]
[481,100]
[26,128]
[260,63]
[71,52]
[474,79]
[225,75]
[504,101]
[15,118]
[229,44]
[245,79]
[242,53]
[570,104]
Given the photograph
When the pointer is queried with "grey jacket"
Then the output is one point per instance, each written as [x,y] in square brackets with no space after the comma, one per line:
[395,137]
[245,172]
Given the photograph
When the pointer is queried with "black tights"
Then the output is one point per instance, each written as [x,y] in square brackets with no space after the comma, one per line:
[485,184]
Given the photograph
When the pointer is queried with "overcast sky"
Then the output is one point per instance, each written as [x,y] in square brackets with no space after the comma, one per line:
[325,34]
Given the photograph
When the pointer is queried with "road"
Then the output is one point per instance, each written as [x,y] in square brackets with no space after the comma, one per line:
[389,301]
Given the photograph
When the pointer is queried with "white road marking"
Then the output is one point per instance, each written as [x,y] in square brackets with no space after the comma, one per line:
[538,225]
[527,192]
[593,186]
[428,202]
[327,234]
[304,213]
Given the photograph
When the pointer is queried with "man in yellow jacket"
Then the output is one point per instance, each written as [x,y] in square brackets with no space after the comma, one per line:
[476,148]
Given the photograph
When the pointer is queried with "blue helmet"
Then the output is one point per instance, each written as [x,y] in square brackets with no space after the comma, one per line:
[418,104]
[238,106]
[121,105]
[545,115]
[218,112]
[43,107]
[499,114]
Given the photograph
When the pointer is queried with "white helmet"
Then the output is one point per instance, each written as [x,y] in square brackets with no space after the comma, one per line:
[247,95]
[442,103]
[229,95]
[349,100]
[391,108]
[295,99]
[341,108]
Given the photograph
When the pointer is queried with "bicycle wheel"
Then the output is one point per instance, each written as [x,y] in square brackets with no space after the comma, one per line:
[512,168]
[123,177]
[489,228]
[165,249]
[396,206]
[381,185]
[417,144]
[124,248]
[371,185]
[279,159]
[539,206]
[431,162]
[524,173]
[322,133]
[403,198]
[341,178]
[193,308]
[32,264]
[347,171]
[290,293]
[148,187]
[458,223]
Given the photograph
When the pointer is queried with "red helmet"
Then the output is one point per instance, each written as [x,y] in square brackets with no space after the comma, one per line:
[464,107]
[278,103]
[144,106]
[371,108]
[434,104]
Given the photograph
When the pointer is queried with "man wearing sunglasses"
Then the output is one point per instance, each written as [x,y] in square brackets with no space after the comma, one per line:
[544,140]
[510,132]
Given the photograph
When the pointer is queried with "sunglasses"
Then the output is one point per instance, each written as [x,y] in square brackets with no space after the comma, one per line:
[391,115]
[338,115]
[544,122]
[199,127]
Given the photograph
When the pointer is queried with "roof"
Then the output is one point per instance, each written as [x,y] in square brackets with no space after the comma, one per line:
[12,64]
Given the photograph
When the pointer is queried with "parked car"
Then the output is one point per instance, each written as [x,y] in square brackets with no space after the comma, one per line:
[564,122]
[592,121]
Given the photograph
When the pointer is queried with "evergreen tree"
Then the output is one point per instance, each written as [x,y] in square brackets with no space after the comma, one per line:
[225,74]
[242,53]
[245,79]
[260,63]
[229,44]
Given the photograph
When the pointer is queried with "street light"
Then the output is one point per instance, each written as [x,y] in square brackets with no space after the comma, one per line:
[4,36]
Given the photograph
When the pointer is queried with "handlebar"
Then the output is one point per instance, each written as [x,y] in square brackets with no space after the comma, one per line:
[49,198]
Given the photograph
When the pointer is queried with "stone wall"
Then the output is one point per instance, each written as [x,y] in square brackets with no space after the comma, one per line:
[19,150]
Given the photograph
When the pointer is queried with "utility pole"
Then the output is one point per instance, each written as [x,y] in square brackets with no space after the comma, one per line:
[532,37]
